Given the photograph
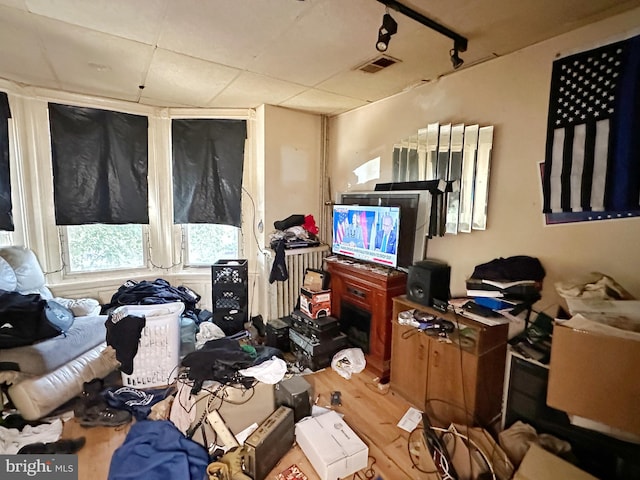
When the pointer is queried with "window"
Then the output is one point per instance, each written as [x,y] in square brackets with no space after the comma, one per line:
[207,243]
[5,238]
[99,247]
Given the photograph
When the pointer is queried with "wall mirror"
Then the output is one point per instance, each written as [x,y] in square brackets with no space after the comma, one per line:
[458,154]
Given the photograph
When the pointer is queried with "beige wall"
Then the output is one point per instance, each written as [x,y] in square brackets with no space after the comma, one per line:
[512,94]
[293,164]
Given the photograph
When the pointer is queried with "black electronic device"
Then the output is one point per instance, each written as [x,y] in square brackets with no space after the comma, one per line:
[277,331]
[439,326]
[428,280]
[269,443]
[295,393]
[318,329]
[440,305]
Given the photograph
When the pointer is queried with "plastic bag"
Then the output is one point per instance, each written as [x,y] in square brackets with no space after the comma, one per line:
[348,361]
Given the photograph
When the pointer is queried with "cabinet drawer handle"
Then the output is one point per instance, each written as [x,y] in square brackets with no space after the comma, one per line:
[356,293]
[421,352]
[436,359]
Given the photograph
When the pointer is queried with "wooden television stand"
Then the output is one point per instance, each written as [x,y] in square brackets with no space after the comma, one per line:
[361,294]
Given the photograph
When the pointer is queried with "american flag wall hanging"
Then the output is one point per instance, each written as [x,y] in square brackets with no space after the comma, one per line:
[592,156]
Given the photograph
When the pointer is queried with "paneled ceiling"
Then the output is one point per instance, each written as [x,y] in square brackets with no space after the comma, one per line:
[301,54]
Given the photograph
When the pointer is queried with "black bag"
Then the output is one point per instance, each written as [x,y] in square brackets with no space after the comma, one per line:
[25,319]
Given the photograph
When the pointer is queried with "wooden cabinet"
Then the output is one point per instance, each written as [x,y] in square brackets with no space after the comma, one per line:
[454,379]
[361,290]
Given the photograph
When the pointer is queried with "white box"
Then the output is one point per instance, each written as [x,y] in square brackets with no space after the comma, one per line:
[333,449]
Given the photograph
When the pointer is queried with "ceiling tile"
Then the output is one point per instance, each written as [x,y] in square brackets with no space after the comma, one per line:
[334,36]
[229,33]
[22,58]
[185,80]
[139,20]
[19,4]
[92,62]
[250,90]
[322,102]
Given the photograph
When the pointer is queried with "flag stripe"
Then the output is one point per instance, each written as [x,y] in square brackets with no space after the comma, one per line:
[587,169]
[556,170]
[601,149]
[565,176]
[577,166]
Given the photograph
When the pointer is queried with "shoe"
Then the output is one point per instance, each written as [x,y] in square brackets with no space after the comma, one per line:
[103,416]
[218,471]
[234,460]
[290,221]
[69,445]
[15,420]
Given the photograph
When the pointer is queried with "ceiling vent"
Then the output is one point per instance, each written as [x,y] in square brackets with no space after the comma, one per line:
[378,64]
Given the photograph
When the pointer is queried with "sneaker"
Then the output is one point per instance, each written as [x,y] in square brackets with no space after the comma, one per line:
[103,416]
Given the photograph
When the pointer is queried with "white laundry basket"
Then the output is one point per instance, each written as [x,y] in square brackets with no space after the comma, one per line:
[158,357]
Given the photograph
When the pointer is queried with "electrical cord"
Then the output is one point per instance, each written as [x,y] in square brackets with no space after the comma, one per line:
[253,223]
[369,471]
[413,454]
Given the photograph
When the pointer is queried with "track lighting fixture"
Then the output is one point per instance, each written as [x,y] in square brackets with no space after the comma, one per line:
[456,61]
[459,42]
[388,28]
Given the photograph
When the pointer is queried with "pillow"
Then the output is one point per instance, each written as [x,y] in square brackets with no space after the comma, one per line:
[80,307]
[25,264]
[8,280]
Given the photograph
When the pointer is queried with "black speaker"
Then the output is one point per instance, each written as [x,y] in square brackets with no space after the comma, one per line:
[427,280]
[297,394]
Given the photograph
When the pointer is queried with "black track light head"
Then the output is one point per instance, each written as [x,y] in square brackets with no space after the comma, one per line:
[388,28]
[456,61]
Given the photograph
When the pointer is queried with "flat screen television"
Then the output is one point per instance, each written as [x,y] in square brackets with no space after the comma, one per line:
[368,233]
[413,225]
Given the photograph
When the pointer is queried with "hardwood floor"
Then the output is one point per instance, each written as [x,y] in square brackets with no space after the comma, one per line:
[371,412]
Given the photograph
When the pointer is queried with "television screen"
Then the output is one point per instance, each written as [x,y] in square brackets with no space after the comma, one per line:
[413,225]
[368,233]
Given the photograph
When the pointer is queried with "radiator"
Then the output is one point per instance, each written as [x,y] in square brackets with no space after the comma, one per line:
[284,295]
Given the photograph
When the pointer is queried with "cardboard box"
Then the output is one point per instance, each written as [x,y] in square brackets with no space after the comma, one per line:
[315,303]
[333,449]
[538,464]
[593,372]
[315,280]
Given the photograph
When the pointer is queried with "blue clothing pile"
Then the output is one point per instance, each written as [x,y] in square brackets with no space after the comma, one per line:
[158,450]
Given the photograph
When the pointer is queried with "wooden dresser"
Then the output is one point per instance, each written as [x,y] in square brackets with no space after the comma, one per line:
[455,380]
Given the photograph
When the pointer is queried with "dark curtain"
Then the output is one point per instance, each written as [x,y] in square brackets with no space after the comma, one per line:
[100,166]
[208,157]
[6,216]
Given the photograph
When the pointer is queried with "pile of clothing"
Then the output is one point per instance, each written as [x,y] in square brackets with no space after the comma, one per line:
[295,231]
